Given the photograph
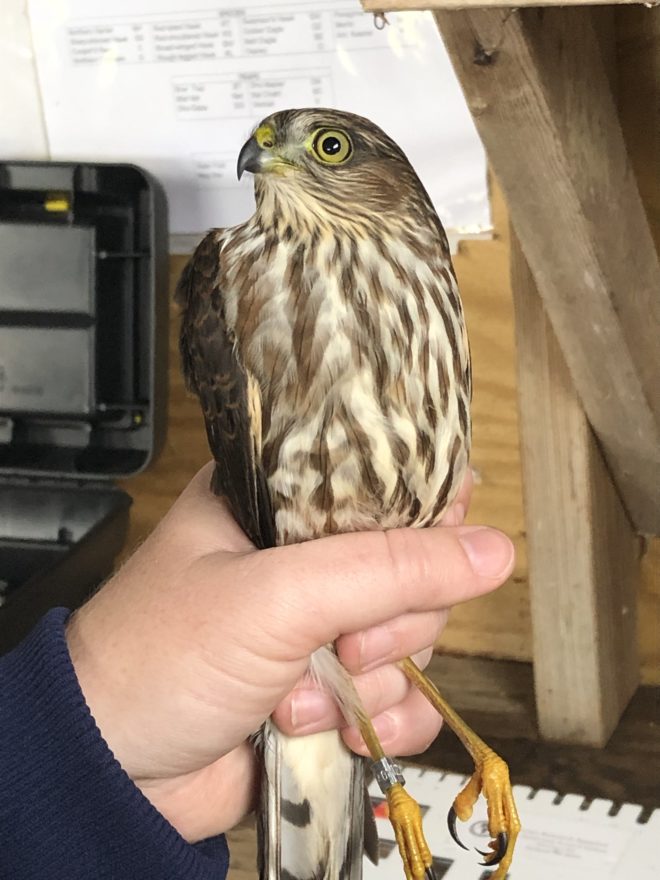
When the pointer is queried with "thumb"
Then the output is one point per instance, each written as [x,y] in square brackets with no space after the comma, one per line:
[321,589]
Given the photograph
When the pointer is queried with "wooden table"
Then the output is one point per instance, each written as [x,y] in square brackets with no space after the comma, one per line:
[540,86]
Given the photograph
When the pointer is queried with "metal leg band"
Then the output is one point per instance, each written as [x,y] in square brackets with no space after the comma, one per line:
[387,773]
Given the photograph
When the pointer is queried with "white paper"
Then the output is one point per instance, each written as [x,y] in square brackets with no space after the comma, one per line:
[559,840]
[178,90]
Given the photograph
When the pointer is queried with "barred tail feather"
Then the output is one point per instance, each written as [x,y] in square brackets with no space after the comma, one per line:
[312,816]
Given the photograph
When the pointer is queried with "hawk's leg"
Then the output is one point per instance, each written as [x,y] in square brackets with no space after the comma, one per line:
[404,813]
[490,778]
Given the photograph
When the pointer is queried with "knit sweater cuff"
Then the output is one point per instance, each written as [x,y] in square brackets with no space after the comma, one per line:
[68,810]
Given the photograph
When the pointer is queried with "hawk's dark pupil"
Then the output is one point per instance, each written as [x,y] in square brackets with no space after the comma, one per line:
[331,145]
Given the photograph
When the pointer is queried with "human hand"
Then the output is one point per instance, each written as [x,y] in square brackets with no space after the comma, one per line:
[199,638]
[404,720]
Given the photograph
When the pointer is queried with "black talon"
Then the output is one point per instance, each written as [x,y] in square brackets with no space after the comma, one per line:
[451,824]
[497,855]
[502,846]
[429,874]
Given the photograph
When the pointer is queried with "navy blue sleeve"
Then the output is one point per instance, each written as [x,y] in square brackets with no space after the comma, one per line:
[67,809]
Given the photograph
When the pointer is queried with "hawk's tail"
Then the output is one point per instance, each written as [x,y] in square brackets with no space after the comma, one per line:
[315,819]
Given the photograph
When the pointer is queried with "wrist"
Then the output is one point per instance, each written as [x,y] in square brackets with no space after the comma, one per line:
[209,801]
[95,678]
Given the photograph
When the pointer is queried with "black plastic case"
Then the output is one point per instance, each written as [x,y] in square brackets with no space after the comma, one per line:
[83,373]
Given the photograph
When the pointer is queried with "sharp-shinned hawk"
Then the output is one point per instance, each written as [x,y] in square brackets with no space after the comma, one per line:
[326,342]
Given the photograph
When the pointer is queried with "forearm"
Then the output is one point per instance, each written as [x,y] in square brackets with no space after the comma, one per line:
[67,809]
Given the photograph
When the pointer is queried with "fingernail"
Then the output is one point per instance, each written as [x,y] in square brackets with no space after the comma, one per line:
[384,727]
[489,551]
[307,707]
[459,513]
[376,645]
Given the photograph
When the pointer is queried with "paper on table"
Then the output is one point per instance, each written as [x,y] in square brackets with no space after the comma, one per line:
[178,91]
[560,839]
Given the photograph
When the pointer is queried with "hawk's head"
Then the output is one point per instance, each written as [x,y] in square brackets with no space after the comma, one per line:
[331,162]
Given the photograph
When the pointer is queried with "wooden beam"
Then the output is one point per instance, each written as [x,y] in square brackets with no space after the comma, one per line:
[420,5]
[637,68]
[582,549]
[536,84]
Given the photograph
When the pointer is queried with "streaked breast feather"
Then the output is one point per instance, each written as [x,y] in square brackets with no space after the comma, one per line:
[363,368]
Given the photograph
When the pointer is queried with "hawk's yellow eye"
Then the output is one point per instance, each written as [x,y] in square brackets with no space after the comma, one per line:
[332,146]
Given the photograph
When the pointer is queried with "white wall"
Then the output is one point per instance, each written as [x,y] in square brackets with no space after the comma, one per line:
[22,129]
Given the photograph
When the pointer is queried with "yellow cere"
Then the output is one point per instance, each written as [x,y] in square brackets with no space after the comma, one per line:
[265,136]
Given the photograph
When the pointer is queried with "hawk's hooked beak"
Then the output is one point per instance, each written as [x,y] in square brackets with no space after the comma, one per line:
[259,155]
[250,157]
[256,154]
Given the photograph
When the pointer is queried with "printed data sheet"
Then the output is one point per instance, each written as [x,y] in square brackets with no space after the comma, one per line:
[177,88]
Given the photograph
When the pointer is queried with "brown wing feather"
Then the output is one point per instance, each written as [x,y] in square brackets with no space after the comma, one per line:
[228,394]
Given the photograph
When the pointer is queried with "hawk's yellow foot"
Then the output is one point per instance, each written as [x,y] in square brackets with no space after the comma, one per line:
[490,778]
[404,812]
[406,818]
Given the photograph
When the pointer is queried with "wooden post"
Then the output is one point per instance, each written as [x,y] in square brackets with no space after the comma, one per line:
[537,84]
[583,551]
